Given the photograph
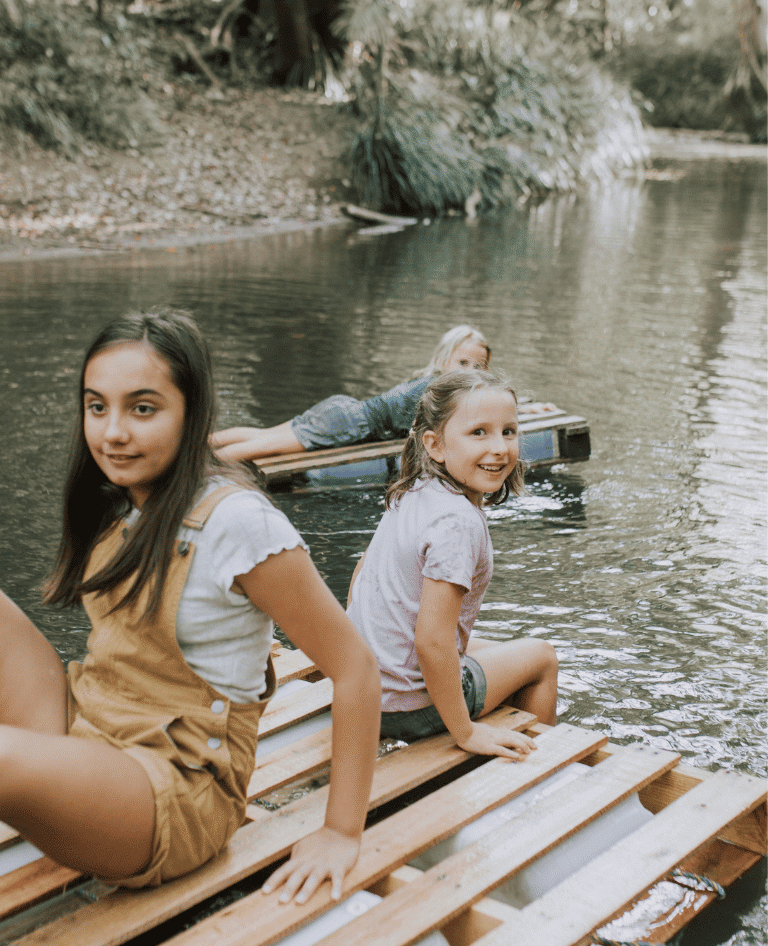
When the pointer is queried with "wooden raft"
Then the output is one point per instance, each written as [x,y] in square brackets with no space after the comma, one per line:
[710,825]
[546,438]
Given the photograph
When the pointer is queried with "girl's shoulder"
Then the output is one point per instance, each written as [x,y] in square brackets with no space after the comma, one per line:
[247,518]
[440,499]
[237,501]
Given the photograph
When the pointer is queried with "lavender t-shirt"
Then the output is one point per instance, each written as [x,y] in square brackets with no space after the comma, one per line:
[434,533]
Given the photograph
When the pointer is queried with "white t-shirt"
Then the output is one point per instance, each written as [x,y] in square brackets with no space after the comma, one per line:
[434,533]
[223,637]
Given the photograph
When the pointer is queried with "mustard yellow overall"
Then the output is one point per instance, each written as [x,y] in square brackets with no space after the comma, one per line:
[135,691]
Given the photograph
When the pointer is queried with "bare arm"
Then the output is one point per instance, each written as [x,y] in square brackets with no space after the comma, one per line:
[441,668]
[288,587]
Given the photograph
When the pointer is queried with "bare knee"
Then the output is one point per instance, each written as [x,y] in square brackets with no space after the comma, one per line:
[547,656]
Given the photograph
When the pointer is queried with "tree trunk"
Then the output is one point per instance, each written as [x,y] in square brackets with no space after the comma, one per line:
[294,40]
[747,88]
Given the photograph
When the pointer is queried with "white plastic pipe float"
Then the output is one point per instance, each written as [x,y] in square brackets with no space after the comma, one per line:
[562,861]
[339,916]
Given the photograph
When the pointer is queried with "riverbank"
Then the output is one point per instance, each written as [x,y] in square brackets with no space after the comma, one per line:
[246,163]
[229,167]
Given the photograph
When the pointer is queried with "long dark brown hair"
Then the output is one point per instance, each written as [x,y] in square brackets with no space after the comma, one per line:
[437,404]
[92,504]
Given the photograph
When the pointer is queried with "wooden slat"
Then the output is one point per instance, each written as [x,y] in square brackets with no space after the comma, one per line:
[459,881]
[259,919]
[480,919]
[717,861]
[292,665]
[33,882]
[297,760]
[125,914]
[607,884]
[293,463]
[7,835]
[284,711]
[749,831]
[547,422]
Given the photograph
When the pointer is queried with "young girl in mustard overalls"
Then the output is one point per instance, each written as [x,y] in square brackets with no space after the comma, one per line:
[134,765]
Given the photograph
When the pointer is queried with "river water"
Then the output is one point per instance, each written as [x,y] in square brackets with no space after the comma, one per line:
[641,307]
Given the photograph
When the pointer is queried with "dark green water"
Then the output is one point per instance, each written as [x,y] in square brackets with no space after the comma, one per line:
[641,307]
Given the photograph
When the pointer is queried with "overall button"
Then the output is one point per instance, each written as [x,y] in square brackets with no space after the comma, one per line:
[218,706]
[214,743]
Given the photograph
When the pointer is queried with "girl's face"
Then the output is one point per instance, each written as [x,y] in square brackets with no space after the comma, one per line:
[133,416]
[469,354]
[478,445]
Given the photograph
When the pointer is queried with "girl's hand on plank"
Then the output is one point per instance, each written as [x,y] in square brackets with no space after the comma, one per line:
[324,854]
[487,740]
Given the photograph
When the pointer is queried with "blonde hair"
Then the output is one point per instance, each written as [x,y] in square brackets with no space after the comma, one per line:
[448,345]
[436,406]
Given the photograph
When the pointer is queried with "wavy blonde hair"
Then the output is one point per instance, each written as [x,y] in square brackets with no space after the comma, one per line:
[447,346]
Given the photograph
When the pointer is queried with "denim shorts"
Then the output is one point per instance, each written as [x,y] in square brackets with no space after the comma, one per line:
[334,422]
[410,725]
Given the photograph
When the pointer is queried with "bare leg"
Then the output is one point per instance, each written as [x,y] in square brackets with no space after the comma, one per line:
[222,438]
[32,682]
[86,804]
[255,443]
[523,669]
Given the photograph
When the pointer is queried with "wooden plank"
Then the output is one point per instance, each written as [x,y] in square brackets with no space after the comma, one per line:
[399,772]
[292,463]
[459,881]
[33,882]
[297,760]
[259,919]
[311,461]
[748,831]
[480,919]
[373,216]
[284,711]
[292,665]
[604,887]
[269,837]
[720,862]
[547,422]
[7,835]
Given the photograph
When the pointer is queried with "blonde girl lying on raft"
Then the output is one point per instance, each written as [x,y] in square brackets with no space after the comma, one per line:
[341,420]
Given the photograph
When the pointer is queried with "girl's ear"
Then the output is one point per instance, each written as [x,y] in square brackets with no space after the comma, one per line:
[433,446]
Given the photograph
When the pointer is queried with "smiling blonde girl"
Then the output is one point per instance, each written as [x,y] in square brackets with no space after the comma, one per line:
[417,591]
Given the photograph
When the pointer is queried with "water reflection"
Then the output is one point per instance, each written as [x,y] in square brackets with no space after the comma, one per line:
[641,307]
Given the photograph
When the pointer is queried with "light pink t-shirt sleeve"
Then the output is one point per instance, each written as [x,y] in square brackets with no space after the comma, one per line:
[452,547]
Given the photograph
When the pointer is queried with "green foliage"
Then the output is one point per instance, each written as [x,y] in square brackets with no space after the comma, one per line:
[474,103]
[65,79]
[683,85]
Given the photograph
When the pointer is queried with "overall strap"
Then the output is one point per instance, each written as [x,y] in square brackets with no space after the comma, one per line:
[198,517]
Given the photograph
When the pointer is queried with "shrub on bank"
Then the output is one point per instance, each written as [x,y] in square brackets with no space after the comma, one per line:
[473,107]
[683,85]
[65,79]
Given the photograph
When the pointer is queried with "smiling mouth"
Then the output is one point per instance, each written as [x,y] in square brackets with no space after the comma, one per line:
[493,469]
[121,458]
